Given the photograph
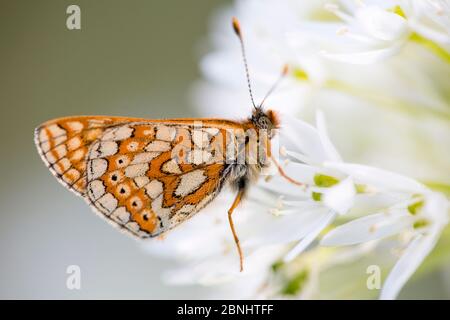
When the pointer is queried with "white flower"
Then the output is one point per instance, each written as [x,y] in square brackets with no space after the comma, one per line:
[302,278]
[420,215]
[410,207]
[202,250]
[329,193]
[332,187]
[429,18]
[391,111]
[375,31]
[371,33]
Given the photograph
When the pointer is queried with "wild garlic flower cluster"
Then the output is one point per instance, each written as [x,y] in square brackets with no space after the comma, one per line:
[377,71]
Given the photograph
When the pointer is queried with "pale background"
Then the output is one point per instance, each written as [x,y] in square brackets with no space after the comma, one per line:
[135,58]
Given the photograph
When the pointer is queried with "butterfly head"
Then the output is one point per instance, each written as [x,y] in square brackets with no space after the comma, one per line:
[265,120]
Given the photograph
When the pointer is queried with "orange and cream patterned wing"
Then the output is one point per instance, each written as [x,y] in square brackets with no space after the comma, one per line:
[147,177]
[64,143]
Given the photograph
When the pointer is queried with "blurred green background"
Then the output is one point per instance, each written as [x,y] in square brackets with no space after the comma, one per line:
[131,58]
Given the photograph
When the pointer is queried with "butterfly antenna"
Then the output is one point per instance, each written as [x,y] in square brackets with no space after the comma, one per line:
[237,30]
[284,72]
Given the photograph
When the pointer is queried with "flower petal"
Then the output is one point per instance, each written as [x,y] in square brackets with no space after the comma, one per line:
[309,144]
[328,146]
[281,229]
[434,34]
[364,57]
[379,178]
[413,256]
[324,221]
[381,24]
[368,228]
[341,197]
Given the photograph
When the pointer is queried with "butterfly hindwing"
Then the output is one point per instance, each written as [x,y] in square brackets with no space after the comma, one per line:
[64,143]
[147,177]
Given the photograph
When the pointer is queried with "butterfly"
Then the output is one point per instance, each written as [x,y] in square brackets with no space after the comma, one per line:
[148,176]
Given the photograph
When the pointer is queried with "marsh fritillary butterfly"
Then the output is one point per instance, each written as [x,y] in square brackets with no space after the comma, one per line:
[148,176]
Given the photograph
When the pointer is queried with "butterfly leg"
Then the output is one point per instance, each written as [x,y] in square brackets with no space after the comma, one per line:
[284,175]
[236,201]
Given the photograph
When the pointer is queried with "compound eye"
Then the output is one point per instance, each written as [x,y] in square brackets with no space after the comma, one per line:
[264,122]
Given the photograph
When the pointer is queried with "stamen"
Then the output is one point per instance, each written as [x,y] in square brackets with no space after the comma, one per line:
[333,8]
[341,31]
[438,7]
[360,3]
[279,205]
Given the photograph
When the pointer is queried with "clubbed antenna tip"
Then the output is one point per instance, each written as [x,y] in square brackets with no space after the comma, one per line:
[236,26]
[285,70]
[284,73]
[237,30]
